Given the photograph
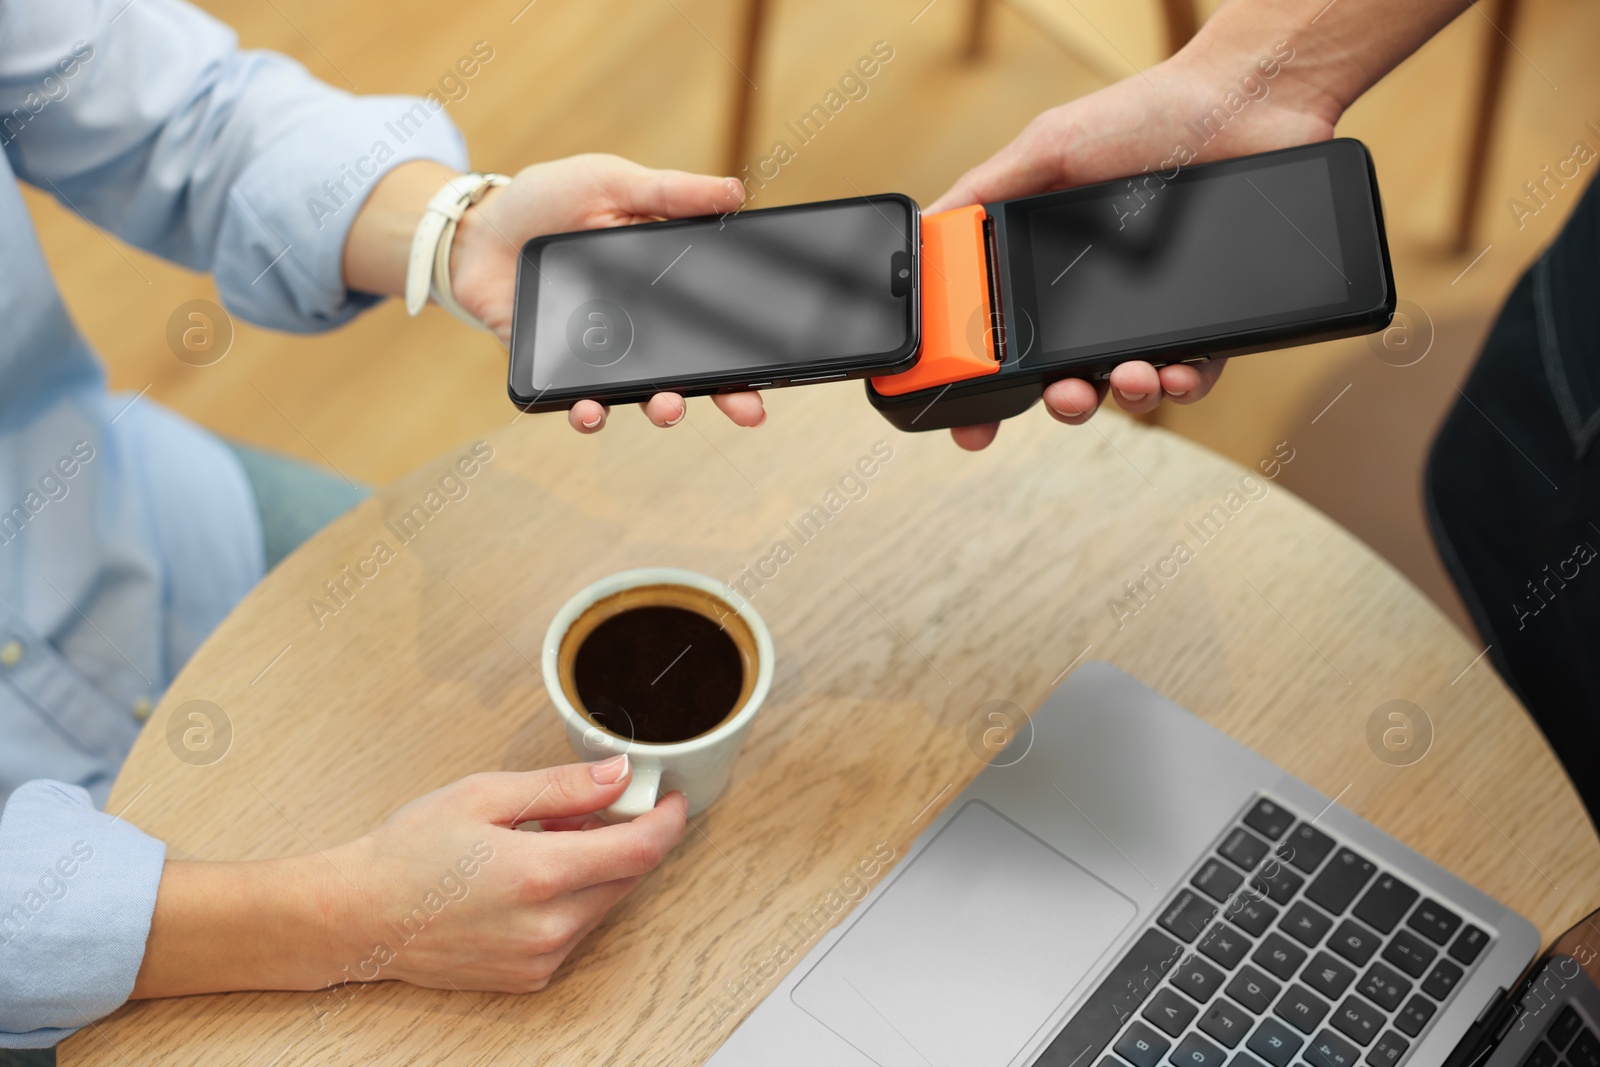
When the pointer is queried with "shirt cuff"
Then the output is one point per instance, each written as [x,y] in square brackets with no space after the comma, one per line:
[77,890]
[281,246]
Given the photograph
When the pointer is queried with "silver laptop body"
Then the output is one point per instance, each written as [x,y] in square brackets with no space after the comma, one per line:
[1107,899]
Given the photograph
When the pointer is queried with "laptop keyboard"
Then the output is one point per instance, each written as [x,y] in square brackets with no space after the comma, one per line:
[1285,949]
[1568,1043]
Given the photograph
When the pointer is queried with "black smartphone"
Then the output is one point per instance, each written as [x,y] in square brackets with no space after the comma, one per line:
[750,300]
[1204,261]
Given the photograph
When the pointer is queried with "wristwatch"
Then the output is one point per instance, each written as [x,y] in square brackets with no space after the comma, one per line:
[428,269]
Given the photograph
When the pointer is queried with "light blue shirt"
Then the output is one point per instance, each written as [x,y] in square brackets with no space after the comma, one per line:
[126,532]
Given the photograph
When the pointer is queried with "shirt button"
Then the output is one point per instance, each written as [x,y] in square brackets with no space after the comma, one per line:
[141,709]
[11,653]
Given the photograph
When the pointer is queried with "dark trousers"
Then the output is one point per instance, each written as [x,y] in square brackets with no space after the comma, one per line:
[1513,494]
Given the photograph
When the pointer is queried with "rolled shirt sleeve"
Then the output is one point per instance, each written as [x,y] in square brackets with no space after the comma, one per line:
[77,889]
[147,119]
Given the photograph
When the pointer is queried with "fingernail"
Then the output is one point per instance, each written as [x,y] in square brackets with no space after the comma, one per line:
[609,771]
[1133,396]
[681,413]
[1177,392]
[592,423]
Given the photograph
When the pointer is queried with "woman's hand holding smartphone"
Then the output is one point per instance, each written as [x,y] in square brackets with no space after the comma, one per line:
[717,304]
[581,193]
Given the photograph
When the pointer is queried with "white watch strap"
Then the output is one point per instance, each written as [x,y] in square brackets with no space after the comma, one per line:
[428,268]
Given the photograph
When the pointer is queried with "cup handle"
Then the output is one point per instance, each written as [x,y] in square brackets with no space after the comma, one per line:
[638,798]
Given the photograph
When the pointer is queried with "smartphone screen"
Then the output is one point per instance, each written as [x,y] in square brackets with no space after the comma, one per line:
[759,297]
[1170,258]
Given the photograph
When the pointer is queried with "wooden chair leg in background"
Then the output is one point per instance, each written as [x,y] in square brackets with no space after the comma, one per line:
[1496,49]
[744,88]
[1181,23]
[977,42]
[1180,17]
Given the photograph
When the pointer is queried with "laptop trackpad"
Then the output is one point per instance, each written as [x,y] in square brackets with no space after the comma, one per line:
[968,952]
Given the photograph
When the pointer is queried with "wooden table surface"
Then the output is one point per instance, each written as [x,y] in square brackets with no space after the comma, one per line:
[912,599]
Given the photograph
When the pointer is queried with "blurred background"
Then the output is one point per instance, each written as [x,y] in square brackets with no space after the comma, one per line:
[708,85]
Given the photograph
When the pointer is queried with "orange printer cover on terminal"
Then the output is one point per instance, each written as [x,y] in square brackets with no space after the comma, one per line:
[955,305]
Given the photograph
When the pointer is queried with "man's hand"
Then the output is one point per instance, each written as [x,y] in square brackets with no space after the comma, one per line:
[581,193]
[1124,129]
[445,893]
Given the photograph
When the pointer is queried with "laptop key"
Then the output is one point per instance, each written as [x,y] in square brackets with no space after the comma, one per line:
[1251,914]
[1384,988]
[1268,819]
[1468,944]
[1216,880]
[1585,1051]
[1442,980]
[1567,1024]
[1243,849]
[1226,1021]
[1415,1015]
[1186,916]
[1357,1020]
[1170,1012]
[1354,942]
[1121,993]
[1385,903]
[1197,978]
[1225,945]
[1434,921]
[1409,953]
[1306,847]
[1196,1051]
[1244,1059]
[1305,924]
[1274,1042]
[1340,881]
[1277,881]
[1253,989]
[1387,1052]
[1301,1008]
[1279,957]
[1328,976]
[1328,1049]
[1542,1055]
[1140,1046]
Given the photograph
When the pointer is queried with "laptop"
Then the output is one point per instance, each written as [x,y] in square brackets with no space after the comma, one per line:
[1126,886]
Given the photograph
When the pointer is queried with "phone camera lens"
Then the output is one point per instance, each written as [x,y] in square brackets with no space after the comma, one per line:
[900,279]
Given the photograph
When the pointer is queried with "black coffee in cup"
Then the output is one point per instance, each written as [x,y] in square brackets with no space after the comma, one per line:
[658,664]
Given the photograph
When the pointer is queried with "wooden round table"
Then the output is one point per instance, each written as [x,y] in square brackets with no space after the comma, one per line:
[907,585]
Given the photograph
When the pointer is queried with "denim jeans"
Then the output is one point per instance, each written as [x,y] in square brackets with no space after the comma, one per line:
[1513,494]
[294,499]
[27,1057]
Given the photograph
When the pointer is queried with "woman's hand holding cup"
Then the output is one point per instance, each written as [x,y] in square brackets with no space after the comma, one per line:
[529,903]
[444,893]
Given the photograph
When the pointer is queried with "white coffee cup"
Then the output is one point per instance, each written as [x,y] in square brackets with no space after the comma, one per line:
[698,767]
